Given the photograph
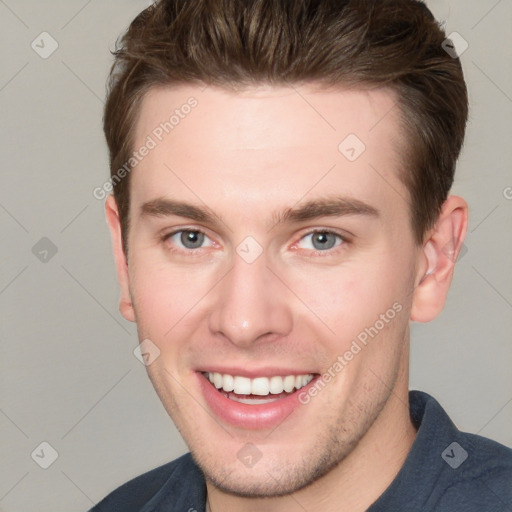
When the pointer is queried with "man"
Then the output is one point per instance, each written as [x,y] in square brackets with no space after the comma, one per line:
[281,212]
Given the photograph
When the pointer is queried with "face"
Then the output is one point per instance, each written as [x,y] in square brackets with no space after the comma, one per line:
[269,258]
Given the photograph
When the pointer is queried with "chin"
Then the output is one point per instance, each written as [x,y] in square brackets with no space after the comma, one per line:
[276,473]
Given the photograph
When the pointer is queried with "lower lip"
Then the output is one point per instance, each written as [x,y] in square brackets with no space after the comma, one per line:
[252,417]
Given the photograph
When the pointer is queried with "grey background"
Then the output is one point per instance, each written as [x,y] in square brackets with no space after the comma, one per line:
[68,373]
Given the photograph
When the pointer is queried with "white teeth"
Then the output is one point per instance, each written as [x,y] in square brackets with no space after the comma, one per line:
[253,401]
[276,385]
[228,383]
[289,383]
[261,386]
[242,385]
[217,380]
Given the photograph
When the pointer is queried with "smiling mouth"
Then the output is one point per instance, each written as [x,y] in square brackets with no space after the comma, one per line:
[259,390]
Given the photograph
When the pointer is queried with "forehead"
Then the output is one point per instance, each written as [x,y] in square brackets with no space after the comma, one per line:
[269,142]
[256,110]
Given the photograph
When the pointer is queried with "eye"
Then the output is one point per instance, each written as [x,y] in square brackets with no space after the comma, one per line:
[320,241]
[188,239]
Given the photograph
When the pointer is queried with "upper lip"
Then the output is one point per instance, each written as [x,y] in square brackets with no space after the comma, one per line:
[252,373]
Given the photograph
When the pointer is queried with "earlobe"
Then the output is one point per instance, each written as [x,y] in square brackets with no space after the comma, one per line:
[437,260]
[113,220]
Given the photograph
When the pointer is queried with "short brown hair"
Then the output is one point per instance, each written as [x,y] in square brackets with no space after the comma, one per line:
[354,43]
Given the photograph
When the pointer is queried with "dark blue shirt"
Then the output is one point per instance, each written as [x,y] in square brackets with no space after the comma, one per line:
[445,471]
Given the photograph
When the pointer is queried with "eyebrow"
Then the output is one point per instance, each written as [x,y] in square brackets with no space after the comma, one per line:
[333,206]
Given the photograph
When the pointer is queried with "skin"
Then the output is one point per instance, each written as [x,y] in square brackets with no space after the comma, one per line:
[246,155]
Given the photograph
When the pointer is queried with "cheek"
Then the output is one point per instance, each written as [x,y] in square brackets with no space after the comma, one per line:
[345,298]
[167,298]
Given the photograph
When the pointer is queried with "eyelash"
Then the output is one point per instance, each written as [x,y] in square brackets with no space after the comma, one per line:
[316,252]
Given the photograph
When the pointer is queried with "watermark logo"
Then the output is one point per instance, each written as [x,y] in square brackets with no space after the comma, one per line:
[44,250]
[449,251]
[249,455]
[44,455]
[454,455]
[44,45]
[146,352]
[357,345]
[351,147]
[249,249]
[455,45]
[152,140]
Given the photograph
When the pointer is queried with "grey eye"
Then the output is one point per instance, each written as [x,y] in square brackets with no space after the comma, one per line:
[320,241]
[191,239]
[323,240]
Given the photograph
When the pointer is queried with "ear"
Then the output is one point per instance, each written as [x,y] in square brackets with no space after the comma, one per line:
[112,215]
[437,260]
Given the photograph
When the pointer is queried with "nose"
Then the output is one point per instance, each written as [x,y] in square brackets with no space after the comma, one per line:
[251,304]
